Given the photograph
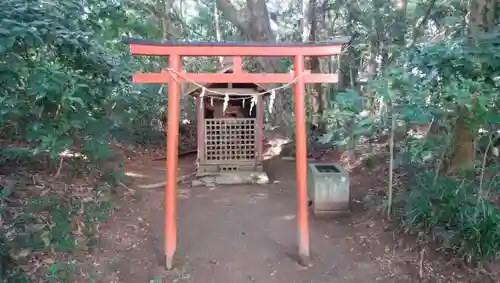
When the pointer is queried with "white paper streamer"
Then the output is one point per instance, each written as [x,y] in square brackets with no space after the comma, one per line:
[254,102]
[271,100]
[226,103]
[243,103]
[212,101]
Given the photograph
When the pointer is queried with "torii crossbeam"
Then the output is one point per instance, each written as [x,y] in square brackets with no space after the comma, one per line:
[175,75]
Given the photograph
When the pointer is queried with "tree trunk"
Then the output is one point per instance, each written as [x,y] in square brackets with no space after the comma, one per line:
[401,26]
[373,65]
[374,43]
[307,14]
[350,60]
[480,18]
[464,146]
[160,11]
[254,23]
[317,95]
[218,34]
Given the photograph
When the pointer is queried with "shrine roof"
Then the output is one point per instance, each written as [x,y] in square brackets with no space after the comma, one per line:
[164,42]
[193,89]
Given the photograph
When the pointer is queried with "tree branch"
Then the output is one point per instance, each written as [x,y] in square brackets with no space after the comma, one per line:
[167,6]
[418,26]
[237,17]
[160,11]
[148,8]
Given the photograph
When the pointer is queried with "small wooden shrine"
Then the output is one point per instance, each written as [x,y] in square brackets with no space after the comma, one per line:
[230,122]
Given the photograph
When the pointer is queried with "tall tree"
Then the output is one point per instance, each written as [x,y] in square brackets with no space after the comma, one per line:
[480,18]
[317,95]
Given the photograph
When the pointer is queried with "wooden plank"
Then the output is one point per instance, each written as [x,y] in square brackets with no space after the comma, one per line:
[265,78]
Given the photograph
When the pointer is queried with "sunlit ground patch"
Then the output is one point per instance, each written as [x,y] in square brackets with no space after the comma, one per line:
[134,174]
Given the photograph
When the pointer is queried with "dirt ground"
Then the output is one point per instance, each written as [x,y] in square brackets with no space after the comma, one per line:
[238,234]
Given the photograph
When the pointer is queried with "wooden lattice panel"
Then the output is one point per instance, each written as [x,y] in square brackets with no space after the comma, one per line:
[230,139]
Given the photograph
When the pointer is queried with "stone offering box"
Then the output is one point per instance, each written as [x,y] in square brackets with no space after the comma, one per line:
[328,188]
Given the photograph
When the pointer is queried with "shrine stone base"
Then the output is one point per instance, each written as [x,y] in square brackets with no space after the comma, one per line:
[232,178]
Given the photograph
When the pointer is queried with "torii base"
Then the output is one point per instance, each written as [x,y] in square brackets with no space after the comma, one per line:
[169,262]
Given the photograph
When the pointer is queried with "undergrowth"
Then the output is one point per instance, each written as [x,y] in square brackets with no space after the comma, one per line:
[46,224]
[62,89]
[455,213]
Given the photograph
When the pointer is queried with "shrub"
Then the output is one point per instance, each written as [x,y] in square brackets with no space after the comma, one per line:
[455,213]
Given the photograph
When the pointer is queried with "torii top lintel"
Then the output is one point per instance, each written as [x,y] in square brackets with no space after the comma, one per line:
[165,47]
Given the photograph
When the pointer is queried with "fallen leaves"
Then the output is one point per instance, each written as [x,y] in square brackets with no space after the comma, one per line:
[34,209]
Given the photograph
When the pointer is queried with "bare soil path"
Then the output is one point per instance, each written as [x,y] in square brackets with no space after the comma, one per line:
[238,234]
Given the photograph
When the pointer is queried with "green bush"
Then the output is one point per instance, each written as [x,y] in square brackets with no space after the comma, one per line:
[60,88]
[451,212]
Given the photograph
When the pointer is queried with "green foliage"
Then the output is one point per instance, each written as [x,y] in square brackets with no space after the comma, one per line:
[61,89]
[461,212]
[451,212]
[440,77]
[65,86]
[434,81]
[347,120]
[55,81]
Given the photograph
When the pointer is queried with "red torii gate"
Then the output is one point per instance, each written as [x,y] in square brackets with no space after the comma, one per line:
[175,51]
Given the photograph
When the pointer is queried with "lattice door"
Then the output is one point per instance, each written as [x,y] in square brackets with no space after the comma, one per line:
[230,139]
